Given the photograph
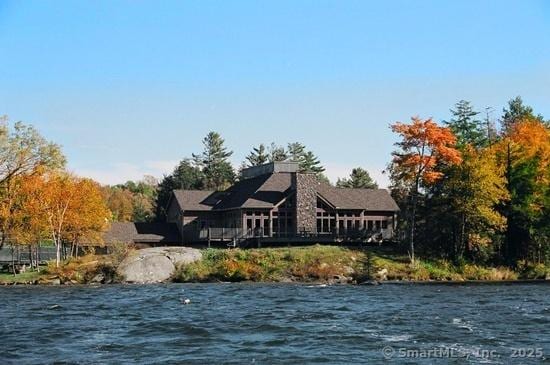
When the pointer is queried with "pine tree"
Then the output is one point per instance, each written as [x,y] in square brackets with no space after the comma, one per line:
[466,127]
[310,163]
[277,153]
[258,156]
[214,163]
[296,151]
[517,112]
[359,179]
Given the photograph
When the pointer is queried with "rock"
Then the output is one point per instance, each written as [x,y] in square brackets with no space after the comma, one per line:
[157,264]
[55,281]
[382,274]
[370,282]
[339,279]
[98,279]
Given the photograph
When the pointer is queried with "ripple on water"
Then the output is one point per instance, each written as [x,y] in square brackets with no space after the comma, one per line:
[241,323]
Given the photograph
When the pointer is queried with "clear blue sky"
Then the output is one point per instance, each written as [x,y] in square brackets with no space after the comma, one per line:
[131,87]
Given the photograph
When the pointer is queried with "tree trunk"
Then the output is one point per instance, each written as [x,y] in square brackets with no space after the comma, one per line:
[57,253]
[413,222]
[13,260]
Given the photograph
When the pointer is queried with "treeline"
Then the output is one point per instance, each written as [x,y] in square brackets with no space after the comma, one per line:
[39,200]
[471,191]
[212,170]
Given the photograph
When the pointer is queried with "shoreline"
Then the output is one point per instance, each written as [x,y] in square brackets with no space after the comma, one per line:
[300,282]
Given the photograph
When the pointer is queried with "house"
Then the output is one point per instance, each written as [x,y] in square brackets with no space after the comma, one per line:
[276,203]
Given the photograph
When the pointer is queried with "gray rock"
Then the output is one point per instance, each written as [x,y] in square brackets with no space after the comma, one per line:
[157,264]
[55,281]
[98,279]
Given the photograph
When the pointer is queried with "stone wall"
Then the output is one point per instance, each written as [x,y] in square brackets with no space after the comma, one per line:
[306,202]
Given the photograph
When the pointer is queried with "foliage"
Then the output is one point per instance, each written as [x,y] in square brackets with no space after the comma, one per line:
[185,176]
[214,163]
[424,150]
[132,201]
[359,179]
[469,130]
[273,264]
[258,156]
[516,112]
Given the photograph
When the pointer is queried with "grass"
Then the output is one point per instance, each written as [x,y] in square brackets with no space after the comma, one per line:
[23,278]
[324,263]
[314,263]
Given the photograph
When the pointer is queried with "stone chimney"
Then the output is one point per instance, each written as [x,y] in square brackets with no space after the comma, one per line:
[306,201]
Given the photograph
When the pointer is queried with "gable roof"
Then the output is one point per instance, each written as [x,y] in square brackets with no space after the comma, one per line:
[350,198]
[131,232]
[266,191]
[263,191]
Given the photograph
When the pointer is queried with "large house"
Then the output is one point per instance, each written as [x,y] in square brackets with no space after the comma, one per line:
[273,203]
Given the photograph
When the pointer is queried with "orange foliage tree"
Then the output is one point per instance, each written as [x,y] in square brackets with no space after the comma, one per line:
[423,149]
[71,209]
[524,152]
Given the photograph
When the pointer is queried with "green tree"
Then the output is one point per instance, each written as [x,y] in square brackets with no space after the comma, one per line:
[516,112]
[258,156]
[310,163]
[296,151]
[465,125]
[359,178]
[277,153]
[214,163]
[185,176]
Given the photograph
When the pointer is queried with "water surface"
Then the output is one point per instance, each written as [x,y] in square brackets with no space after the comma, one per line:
[274,323]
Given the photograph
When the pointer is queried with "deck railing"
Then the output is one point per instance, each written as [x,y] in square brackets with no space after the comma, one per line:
[230,234]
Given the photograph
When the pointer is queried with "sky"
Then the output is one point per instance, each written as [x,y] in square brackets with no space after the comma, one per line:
[129,88]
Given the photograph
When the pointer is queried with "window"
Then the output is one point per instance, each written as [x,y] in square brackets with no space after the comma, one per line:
[384,224]
[249,224]
[370,225]
[377,225]
[319,225]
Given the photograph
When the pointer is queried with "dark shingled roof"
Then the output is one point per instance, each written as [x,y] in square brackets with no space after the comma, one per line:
[263,191]
[130,232]
[266,191]
[348,198]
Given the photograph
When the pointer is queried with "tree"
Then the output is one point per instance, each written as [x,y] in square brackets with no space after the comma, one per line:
[516,112]
[185,176]
[214,163]
[23,152]
[120,203]
[359,179]
[525,154]
[258,156]
[276,153]
[464,208]
[71,207]
[296,151]
[466,127]
[424,148]
[310,163]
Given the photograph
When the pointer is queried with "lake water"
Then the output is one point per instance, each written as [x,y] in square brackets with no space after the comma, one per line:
[275,323]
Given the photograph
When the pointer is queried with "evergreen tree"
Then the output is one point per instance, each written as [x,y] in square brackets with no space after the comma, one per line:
[258,156]
[296,151]
[310,163]
[185,176]
[517,112]
[466,127]
[214,163]
[277,153]
[359,179]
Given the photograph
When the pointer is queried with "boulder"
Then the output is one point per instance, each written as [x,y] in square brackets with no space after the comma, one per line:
[157,264]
